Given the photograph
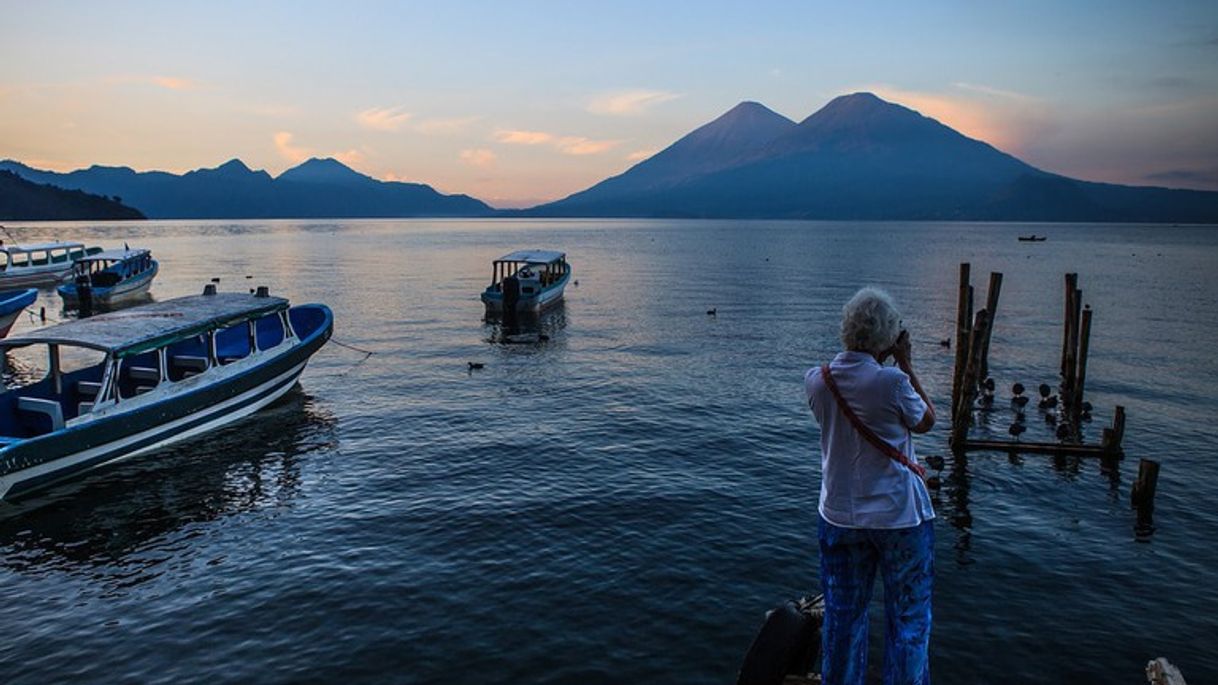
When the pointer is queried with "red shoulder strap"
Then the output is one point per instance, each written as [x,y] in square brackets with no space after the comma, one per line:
[879,443]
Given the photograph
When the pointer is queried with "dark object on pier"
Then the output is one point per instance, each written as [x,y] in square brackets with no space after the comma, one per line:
[1048,402]
[1142,495]
[1019,401]
[712,312]
[1017,429]
[788,643]
[1063,432]
[1044,390]
[84,296]
[935,462]
[1017,389]
[474,366]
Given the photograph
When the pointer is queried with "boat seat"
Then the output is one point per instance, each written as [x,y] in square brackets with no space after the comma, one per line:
[144,373]
[37,413]
[188,362]
[84,408]
[88,388]
[141,389]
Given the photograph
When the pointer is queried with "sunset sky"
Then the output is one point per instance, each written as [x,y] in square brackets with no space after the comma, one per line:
[520,102]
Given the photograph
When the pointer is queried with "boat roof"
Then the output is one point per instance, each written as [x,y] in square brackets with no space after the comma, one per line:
[36,247]
[139,329]
[115,255]
[533,256]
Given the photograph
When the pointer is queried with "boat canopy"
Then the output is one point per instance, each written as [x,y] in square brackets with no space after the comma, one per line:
[40,247]
[115,255]
[533,256]
[130,332]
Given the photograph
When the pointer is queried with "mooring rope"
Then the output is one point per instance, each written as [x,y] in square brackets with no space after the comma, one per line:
[367,354]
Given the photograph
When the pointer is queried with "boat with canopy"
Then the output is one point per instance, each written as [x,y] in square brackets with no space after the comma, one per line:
[109,277]
[38,265]
[125,383]
[526,281]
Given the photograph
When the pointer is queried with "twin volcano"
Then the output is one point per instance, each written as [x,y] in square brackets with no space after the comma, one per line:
[860,157]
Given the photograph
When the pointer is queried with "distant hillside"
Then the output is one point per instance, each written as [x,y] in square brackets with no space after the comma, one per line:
[22,200]
[318,188]
[860,157]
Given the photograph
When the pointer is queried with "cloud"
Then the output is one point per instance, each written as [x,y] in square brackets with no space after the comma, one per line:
[479,157]
[639,155]
[568,145]
[290,152]
[383,118]
[523,137]
[350,157]
[574,145]
[174,83]
[1193,178]
[629,102]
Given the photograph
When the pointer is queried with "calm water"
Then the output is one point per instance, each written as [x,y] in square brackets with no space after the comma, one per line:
[622,503]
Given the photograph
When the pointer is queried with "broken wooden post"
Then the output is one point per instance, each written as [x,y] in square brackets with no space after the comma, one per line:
[964,314]
[991,306]
[1112,437]
[1071,286]
[1080,375]
[1142,495]
[963,414]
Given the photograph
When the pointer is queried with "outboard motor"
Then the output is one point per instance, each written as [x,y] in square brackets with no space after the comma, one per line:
[84,295]
[511,295]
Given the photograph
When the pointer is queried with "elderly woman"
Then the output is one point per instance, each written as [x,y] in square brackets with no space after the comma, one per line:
[875,511]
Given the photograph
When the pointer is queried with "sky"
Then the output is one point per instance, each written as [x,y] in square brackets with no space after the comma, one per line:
[521,102]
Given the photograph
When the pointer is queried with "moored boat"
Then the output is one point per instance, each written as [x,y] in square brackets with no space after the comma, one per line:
[1033,238]
[23,266]
[167,371]
[526,281]
[109,277]
[12,303]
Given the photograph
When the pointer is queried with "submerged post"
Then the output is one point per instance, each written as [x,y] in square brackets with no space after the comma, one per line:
[1142,495]
[963,414]
[1071,286]
[963,315]
[1080,377]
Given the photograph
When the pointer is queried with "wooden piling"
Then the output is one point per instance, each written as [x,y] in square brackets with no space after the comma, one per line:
[1142,495]
[964,314]
[1071,286]
[1070,362]
[991,306]
[963,414]
[1080,374]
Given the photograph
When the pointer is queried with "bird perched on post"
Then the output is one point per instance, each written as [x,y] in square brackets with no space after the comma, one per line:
[1019,399]
[1017,429]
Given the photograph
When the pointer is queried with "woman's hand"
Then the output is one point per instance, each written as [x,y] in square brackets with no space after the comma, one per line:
[902,351]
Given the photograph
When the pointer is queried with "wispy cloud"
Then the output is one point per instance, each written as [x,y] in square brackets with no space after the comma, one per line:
[288,150]
[383,118]
[479,157]
[628,102]
[568,145]
[174,82]
[639,155]
[523,137]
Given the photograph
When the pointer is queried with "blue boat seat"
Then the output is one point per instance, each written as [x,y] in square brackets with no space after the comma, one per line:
[40,415]
[188,362]
[87,388]
[144,373]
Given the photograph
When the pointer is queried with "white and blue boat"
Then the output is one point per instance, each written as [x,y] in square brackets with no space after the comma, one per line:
[12,303]
[110,277]
[23,266]
[160,373]
[526,281]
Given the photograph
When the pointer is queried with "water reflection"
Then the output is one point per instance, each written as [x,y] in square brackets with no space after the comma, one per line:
[527,327]
[116,516]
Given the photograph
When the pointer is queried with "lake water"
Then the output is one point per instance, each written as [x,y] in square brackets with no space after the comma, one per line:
[621,503]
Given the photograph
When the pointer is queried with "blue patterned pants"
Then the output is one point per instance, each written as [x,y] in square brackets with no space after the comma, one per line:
[848,561]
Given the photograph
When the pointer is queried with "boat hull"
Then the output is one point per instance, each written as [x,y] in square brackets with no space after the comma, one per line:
[37,463]
[130,289]
[11,306]
[527,303]
[35,278]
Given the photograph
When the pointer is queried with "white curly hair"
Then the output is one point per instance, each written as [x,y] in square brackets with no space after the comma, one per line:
[870,321]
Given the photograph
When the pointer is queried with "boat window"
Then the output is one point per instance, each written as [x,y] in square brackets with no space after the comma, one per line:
[233,343]
[139,374]
[270,331]
[20,259]
[187,358]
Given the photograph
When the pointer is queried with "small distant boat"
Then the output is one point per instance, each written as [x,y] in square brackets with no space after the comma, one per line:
[1033,238]
[12,303]
[526,281]
[166,371]
[23,266]
[109,277]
